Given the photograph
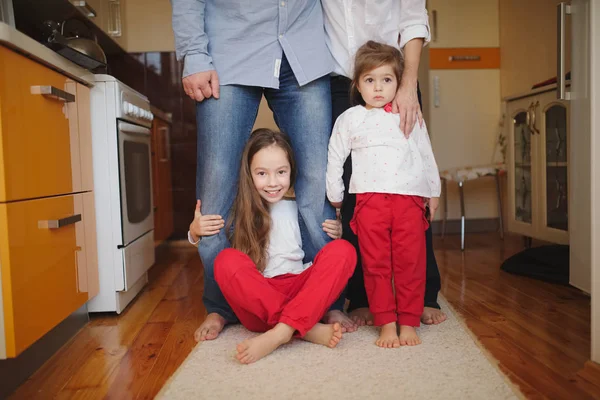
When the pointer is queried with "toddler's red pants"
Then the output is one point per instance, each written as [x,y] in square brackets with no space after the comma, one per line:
[392,245]
[299,301]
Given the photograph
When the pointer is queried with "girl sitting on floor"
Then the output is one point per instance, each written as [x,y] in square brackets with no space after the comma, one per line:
[263,277]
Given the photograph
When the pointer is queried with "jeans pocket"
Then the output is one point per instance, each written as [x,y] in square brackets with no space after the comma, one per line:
[378,11]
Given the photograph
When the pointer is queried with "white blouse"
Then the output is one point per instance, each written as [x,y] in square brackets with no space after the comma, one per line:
[285,252]
[351,23]
[383,159]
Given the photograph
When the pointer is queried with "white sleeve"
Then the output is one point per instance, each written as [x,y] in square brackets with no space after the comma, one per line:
[414,22]
[430,166]
[191,240]
[339,149]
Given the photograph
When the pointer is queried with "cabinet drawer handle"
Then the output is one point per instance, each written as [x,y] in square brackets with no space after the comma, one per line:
[59,223]
[51,91]
[464,58]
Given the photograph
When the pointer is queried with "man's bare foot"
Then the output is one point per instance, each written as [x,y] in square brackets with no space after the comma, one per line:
[326,334]
[334,316]
[432,316]
[388,337]
[408,336]
[210,328]
[361,316]
[254,349]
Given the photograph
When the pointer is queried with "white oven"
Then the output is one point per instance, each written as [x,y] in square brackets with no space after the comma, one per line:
[121,148]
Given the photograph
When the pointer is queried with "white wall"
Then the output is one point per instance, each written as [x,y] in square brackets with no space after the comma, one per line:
[463,132]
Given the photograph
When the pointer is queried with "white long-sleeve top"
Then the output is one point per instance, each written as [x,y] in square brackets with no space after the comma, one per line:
[351,23]
[383,159]
[285,252]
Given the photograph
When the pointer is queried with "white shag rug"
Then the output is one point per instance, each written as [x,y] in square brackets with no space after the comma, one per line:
[448,365]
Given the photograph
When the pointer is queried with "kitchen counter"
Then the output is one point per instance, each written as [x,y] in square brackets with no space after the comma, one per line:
[12,38]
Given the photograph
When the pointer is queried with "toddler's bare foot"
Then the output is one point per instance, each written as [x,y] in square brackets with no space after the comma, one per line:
[210,328]
[388,337]
[432,316]
[346,323]
[326,334]
[254,349]
[361,316]
[408,336]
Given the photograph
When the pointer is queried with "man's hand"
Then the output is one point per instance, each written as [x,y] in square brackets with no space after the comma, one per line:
[202,85]
[406,103]
[205,225]
[434,203]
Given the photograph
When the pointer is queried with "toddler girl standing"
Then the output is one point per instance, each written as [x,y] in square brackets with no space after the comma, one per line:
[393,176]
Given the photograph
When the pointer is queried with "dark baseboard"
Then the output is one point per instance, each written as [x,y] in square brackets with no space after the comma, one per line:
[15,371]
[475,225]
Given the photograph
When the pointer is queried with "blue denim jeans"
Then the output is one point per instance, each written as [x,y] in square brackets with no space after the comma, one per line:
[224,125]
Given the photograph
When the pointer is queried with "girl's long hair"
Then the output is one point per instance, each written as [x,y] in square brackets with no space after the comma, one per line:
[250,221]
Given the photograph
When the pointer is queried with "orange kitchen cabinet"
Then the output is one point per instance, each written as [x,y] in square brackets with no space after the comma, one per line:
[42,246]
[47,269]
[38,130]
[162,184]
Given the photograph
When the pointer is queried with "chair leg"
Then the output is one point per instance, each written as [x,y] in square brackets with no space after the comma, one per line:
[500,217]
[445,216]
[462,216]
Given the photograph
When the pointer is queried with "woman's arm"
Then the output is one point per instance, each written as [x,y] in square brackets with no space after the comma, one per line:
[406,102]
[414,34]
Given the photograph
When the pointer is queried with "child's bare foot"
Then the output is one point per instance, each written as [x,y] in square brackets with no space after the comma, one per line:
[346,323]
[210,328]
[361,316]
[388,337]
[432,316]
[408,336]
[326,334]
[254,349]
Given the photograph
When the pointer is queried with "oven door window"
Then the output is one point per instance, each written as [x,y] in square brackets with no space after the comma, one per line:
[136,158]
[135,176]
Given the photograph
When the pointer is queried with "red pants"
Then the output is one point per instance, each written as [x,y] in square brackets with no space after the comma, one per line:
[299,301]
[392,245]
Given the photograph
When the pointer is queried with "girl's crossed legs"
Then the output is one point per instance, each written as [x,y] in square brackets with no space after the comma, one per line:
[286,304]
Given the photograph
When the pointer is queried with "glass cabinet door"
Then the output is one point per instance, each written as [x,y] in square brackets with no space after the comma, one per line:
[522,167]
[556,173]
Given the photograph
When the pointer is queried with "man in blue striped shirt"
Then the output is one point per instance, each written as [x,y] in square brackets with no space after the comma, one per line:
[234,52]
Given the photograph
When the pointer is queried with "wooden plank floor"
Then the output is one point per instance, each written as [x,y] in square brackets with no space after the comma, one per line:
[539,332]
